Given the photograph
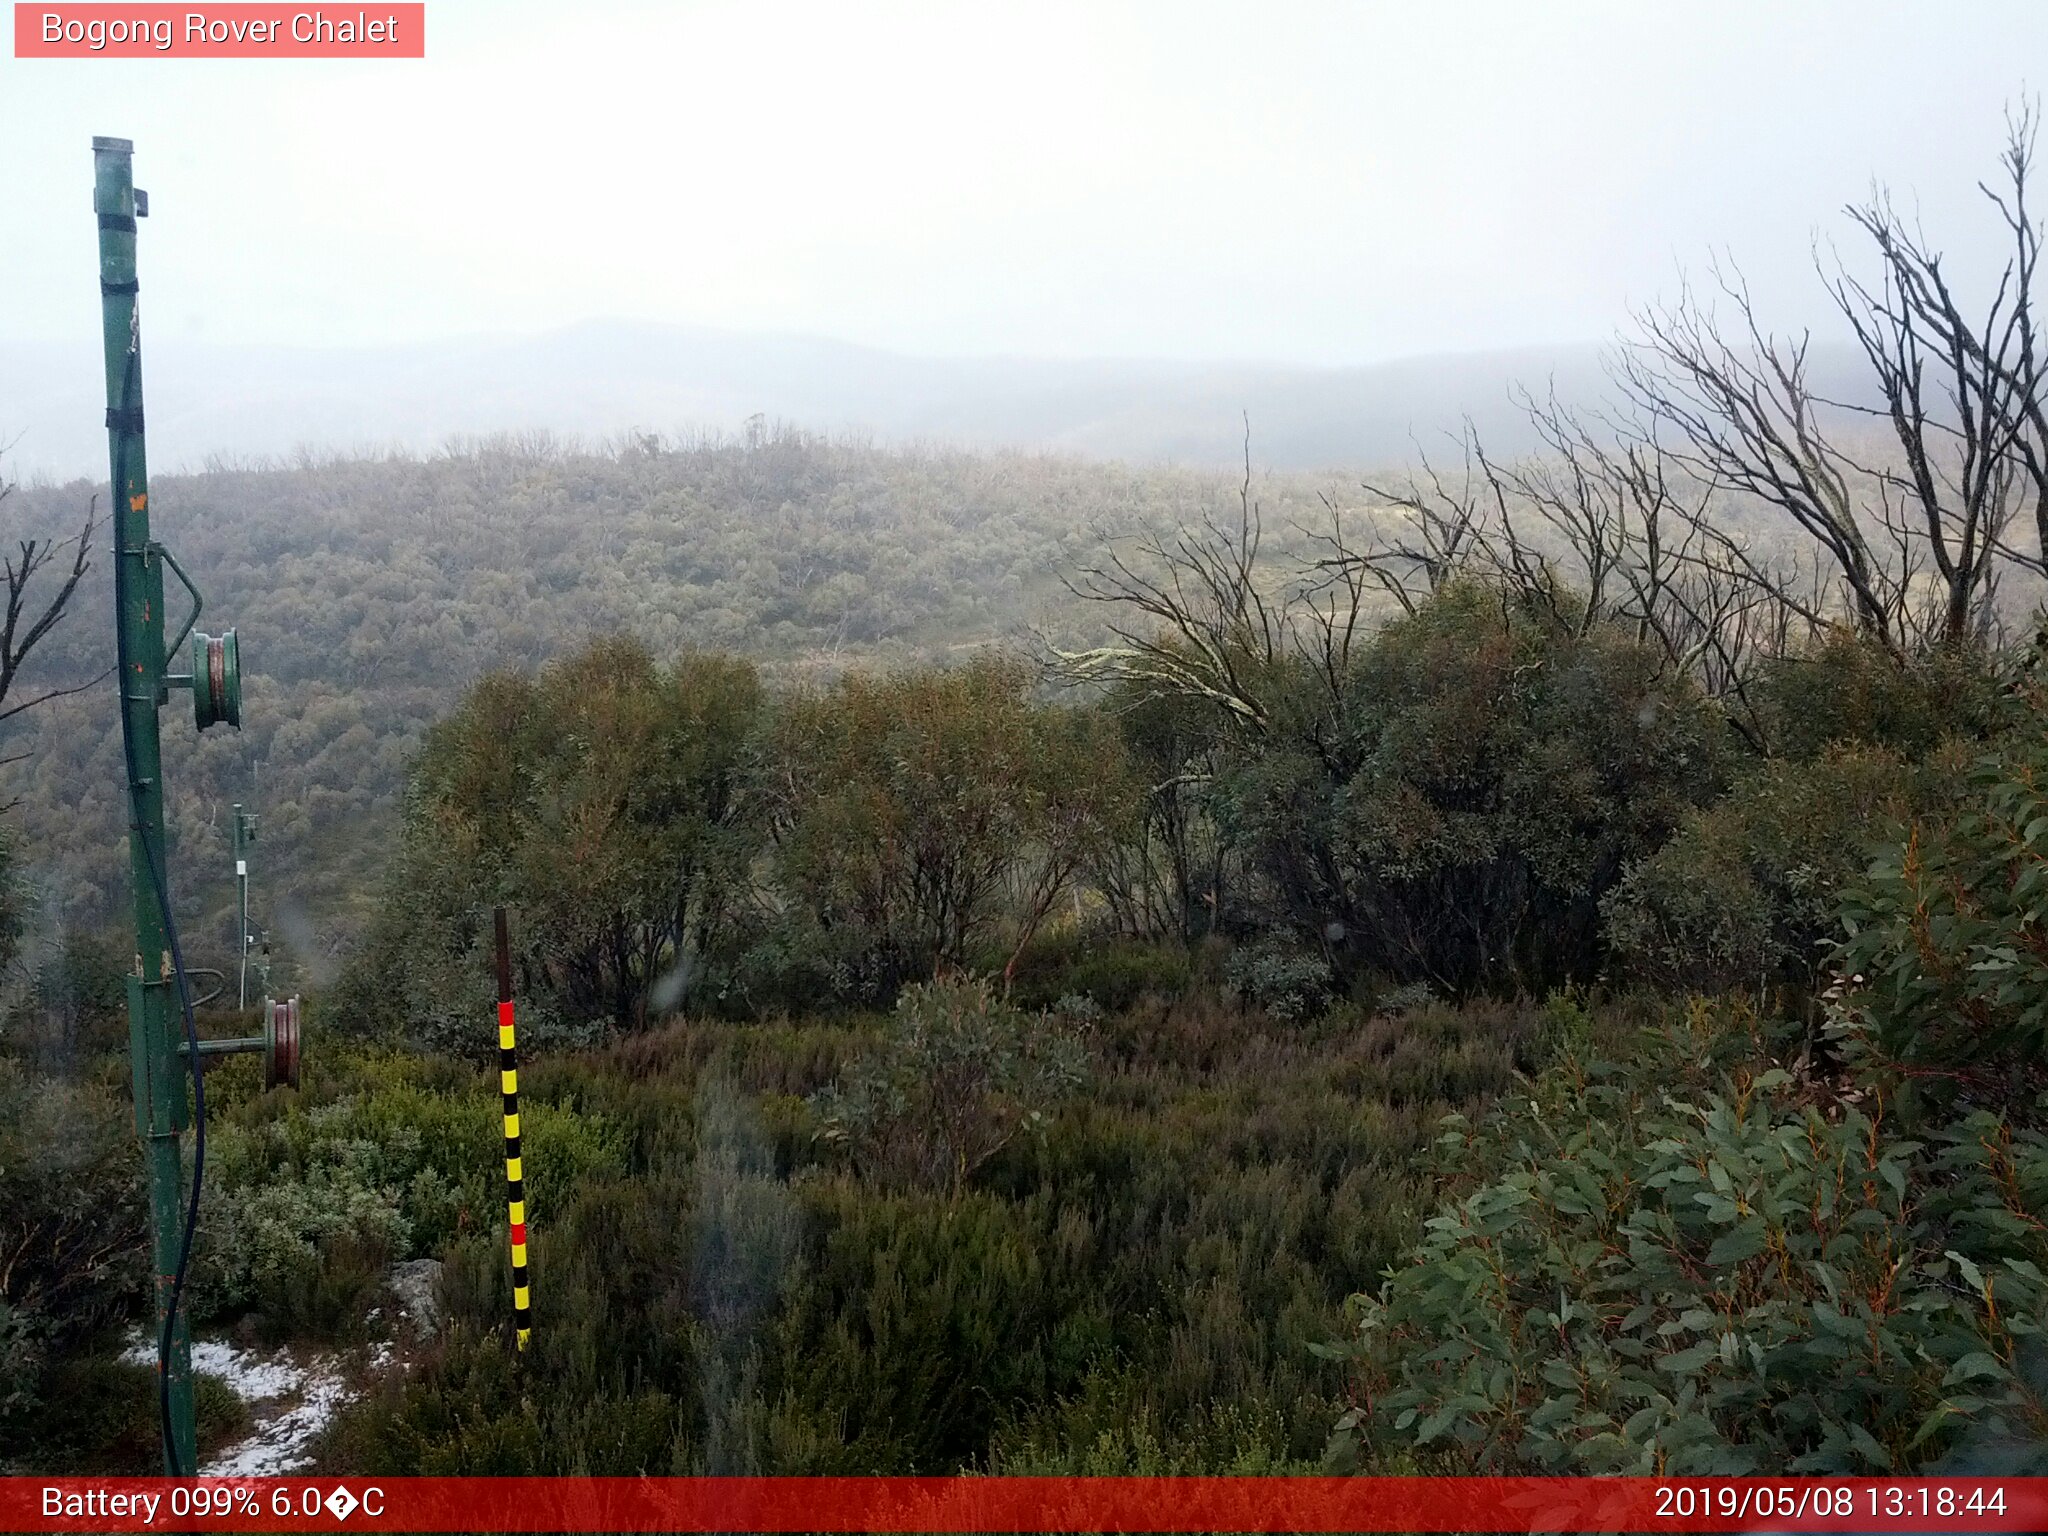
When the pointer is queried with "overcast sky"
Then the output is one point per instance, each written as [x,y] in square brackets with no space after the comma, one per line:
[1315,183]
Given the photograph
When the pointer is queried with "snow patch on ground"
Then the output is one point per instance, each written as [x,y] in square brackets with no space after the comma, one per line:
[290,1401]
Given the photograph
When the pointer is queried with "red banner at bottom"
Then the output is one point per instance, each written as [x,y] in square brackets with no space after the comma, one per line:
[964,1504]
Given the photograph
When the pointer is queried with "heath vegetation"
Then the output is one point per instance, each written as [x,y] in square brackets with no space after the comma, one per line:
[1539,967]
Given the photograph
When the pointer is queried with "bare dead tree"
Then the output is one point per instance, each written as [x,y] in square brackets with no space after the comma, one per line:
[32,612]
[1749,422]
[1971,461]
[1437,532]
[1914,548]
[1647,549]
[2025,367]
[1601,526]
[1199,623]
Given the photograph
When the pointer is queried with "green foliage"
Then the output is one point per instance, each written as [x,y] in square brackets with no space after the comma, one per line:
[1687,1267]
[72,1241]
[1846,691]
[1140,1281]
[1113,973]
[910,811]
[1289,983]
[660,849]
[307,1207]
[70,1206]
[305,1251]
[1745,894]
[1165,879]
[1946,932]
[1111,1431]
[1478,780]
[21,1364]
[100,1416]
[958,1074]
[73,1008]
[607,800]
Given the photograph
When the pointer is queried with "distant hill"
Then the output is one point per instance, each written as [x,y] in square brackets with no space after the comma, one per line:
[370,592]
[603,377]
[371,588]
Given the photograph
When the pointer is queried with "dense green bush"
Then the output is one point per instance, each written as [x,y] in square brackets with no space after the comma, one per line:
[1479,778]
[73,1250]
[607,799]
[957,1075]
[1745,894]
[100,1415]
[666,838]
[1113,973]
[1287,981]
[1945,935]
[306,1248]
[1847,692]
[1690,1266]
[66,1007]
[912,814]
[308,1204]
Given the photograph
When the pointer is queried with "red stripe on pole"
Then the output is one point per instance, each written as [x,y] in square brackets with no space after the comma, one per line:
[1064,1504]
[518,1231]
[504,1014]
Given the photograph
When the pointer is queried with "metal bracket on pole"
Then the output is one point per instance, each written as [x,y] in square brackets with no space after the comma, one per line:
[198,604]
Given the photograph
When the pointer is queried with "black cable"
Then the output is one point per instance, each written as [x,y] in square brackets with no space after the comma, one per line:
[163,899]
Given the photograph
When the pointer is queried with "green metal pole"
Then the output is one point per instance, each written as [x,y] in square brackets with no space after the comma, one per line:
[242,905]
[161,1112]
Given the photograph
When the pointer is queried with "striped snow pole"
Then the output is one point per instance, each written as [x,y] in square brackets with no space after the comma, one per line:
[515,1177]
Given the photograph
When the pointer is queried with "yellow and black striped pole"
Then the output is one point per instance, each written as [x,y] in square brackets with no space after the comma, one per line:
[515,1174]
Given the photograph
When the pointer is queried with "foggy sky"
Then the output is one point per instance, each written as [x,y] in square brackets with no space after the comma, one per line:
[1319,184]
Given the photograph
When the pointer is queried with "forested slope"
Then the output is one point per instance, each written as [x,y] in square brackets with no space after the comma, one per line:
[369,593]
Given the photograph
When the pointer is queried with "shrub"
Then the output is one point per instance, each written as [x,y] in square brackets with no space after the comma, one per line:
[1110,1430]
[1745,895]
[607,798]
[75,1009]
[910,813]
[21,1364]
[1113,973]
[71,1215]
[1847,692]
[1148,1272]
[1452,806]
[959,1074]
[305,1208]
[1720,1279]
[304,1247]
[100,1416]
[1945,930]
[1287,982]
[1405,998]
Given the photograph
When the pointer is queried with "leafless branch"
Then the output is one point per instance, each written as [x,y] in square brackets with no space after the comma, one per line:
[27,618]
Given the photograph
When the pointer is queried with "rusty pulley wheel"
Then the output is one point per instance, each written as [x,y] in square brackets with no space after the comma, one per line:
[216,680]
[281,1043]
